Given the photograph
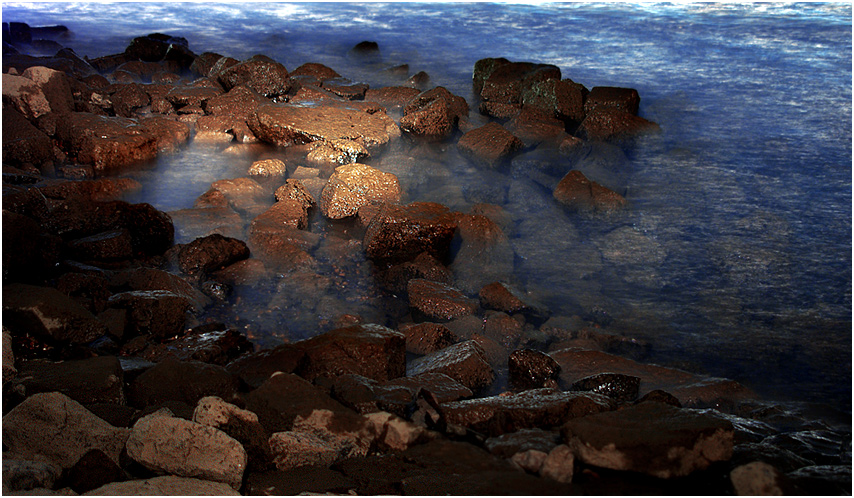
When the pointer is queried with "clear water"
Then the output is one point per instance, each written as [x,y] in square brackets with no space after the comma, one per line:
[735,257]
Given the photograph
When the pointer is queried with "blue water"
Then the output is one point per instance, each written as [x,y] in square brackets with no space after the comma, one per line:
[735,257]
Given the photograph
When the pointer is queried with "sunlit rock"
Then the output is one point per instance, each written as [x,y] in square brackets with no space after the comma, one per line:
[268,78]
[355,185]
[242,425]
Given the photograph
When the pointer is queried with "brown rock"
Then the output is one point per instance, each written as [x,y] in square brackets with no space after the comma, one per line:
[151,279]
[129,98]
[268,78]
[355,185]
[242,425]
[243,194]
[613,125]
[165,486]
[563,99]
[533,126]
[93,380]
[157,313]
[210,343]
[32,254]
[434,113]
[23,143]
[268,168]
[424,338]
[46,312]
[396,278]
[25,96]
[238,103]
[502,81]
[624,99]
[489,145]
[400,233]
[484,254]
[337,152]
[345,89]
[653,438]
[93,470]
[295,190]
[211,253]
[315,70]
[181,381]
[464,362]
[618,386]
[531,369]
[285,125]
[438,301]
[191,96]
[371,350]
[105,246]
[391,97]
[287,213]
[576,191]
[107,143]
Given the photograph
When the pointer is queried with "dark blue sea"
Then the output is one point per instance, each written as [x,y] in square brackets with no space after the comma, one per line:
[734,258]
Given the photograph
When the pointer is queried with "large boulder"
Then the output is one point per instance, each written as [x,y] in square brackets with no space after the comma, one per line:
[612,124]
[25,96]
[652,438]
[434,113]
[211,253]
[164,443]
[400,233]
[285,125]
[23,143]
[240,424]
[158,313]
[59,429]
[625,99]
[355,185]
[563,99]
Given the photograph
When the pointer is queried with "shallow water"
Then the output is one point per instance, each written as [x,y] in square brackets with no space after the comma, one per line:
[734,258]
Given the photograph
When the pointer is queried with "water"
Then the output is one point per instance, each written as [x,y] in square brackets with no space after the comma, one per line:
[735,257]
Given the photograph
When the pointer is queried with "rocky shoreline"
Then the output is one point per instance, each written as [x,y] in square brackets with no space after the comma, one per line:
[123,372]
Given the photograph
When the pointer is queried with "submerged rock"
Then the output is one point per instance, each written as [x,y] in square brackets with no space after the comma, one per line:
[489,145]
[577,192]
[211,253]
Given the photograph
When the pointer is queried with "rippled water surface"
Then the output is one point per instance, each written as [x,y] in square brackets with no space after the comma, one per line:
[734,258]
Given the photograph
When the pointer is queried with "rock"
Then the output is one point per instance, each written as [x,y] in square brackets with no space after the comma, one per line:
[424,338]
[60,429]
[391,97]
[153,47]
[502,81]
[152,279]
[355,185]
[238,103]
[822,479]
[128,99]
[653,438]
[464,362]
[210,343]
[433,113]
[25,96]
[293,449]
[315,70]
[295,190]
[164,443]
[107,143]
[268,78]
[489,145]
[396,278]
[337,152]
[400,233]
[534,126]
[613,125]
[563,99]
[370,350]
[618,386]
[24,475]
[48,313]
[508,444]
[284,397]
[115,245]
[484,253]
[23,143]
[211,253]
[287,213]
[345,88]
[559,465]
[242,425]
[577,192]
[182,381]
[624,99]
[93,470]
[165,486]
[285,125]
[759,479]
[438,301]
[9,370]
[157,313]
[36,252]
[393,432]
[505,297]
[243,194]
[255,368]
[542,408]
[92,380]
[268,168]
[306,479]
[531,369]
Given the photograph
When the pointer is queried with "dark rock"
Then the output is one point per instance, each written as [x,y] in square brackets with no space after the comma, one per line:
[652,438]
[577,192]
[93,470]
[25,475]
[396,278]
[306,479]
[211,343]
[211,253]
[23,143]
[822,480]
[531,369]
[502,81]
[433,113]
[366,50]
[345,89]
[464,362]
[203,64]
[563,99]
[129,98]
[391,97]
[152,279]
[533,126]
[541,408]
[366,395]
[400,233]
[618,386]
[268,78]
[489,145]
[438,301]
[440,386]
[113,414]
[661,397]
[93,380]
[255,368]
[823,447]
[157,313]
[92,291]
[285,125]
[484,252]
[31,253]
[624,99]
[424,338]
[107,143]
[115,245]
[48,313]
[613,125]
[315,70]
[371,350]
[183,381]
[508,444]
[153,47]
[504,297]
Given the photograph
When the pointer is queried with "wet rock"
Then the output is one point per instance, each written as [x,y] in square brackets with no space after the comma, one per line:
[464,362]
[36,252]
[92,380]
[211,253]
[289,213]
[107,143]
[157,313]
[60,429]
[25,96]
[502,330]
[284,397]
[533,126]
[93,470]
[400,233]
[370,350]
[822,479]
[563,99]
[115,245]
[433,113]
[821,446]
[315,70]
[268,168]
[128,99]
[211,343]
[165,486]
[396,278]
[152,279]
[505,297]
[624,99]
[502,81]
[268,78]
[292,449]
[24,475]
[531,369]
[48,313]
[652,438]
[184,97]
[238,103]
[23,143]
[164,443]
[577,192]
[153,47]
[484,253]
[183,381]
[424,338]
[391,97]
[295,190]
[306,479]
[542,408]
[345,88]
[337,152]
[618,386]
[366,395]
[366,50]
[241,425]
[355,185]
[438,301]
[759,479]
[243,194]
[508,444]
[489,145]
[613,125]
[289,125]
